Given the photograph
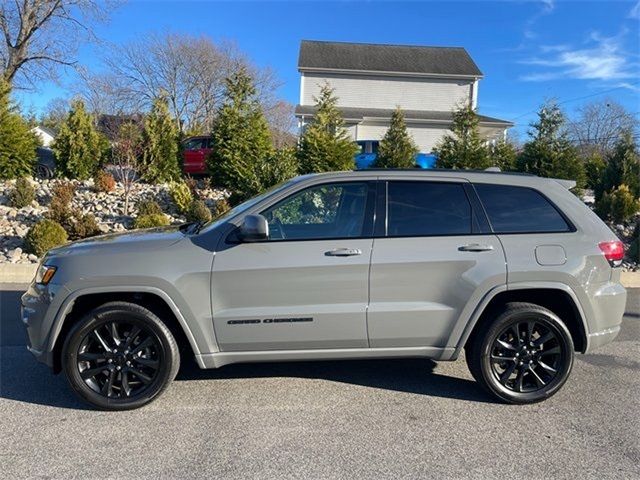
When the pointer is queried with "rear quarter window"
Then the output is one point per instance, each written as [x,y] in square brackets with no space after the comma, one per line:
[520,210]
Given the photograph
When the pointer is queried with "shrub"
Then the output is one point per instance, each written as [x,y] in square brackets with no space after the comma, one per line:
[64,192]
[82,225]
[148,207]
[43,236]
[198,212]
[22,194]
[222,206]
[634,248]
[618,205]
[181,196]
[103,182]
[151,220]
[192,183]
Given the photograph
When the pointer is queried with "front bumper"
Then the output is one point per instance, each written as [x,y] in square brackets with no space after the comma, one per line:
[38,309]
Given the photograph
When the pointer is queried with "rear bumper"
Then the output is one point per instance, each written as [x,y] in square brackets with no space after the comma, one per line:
[608,303]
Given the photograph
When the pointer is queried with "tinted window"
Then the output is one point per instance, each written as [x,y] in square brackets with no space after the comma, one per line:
[425,208]
[519,210]
[324,211]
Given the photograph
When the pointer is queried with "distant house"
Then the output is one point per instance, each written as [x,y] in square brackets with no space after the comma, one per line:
[370,80]
[45,134]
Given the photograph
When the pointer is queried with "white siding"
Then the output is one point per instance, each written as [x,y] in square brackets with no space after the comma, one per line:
[425,136]
[368,91]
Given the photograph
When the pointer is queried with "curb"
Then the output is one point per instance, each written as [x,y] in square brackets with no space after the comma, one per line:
[24,273]
[17,272]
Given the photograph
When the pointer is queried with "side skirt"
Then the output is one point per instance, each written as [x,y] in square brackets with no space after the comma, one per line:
[219,359]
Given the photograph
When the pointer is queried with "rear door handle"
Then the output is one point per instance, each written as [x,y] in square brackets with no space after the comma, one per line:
[475,247]
[343,252]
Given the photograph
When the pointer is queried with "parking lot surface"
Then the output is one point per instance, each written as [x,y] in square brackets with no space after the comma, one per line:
[348,419]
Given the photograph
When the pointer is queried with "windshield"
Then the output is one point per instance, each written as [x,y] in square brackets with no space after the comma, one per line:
[238,209]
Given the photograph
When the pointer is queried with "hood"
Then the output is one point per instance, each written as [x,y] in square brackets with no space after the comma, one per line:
[138,240]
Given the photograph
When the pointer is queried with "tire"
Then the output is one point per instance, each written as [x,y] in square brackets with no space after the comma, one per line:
[528,368]
[122,367]
[43,172]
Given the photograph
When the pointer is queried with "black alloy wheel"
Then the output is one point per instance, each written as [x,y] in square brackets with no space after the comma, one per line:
[119,359]
[524,356]
[120,356]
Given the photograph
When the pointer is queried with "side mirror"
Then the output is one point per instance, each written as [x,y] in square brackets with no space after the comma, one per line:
[254,228]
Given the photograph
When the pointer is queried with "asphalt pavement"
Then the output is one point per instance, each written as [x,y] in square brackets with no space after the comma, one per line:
[344,420]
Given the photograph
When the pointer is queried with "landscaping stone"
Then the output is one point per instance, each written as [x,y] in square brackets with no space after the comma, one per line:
[108,209]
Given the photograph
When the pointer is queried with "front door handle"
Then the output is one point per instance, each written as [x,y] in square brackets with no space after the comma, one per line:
[475,247]
[343,252]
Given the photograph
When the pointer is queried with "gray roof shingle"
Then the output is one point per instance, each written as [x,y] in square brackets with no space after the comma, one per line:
[350,113]
[386,58]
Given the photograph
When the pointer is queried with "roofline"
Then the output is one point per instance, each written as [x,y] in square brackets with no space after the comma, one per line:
[388,73]
[504,123]
[384,44]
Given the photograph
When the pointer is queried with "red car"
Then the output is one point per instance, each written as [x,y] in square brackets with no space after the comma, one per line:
[194,155]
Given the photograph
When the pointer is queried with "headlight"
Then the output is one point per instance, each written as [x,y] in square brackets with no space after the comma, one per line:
[45,274]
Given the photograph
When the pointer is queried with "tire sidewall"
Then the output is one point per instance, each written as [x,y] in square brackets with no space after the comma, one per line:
[94,320]
[549,320]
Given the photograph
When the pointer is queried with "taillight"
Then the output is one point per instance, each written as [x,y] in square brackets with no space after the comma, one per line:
[613,252]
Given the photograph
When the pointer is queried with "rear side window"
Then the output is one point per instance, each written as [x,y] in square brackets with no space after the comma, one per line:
[519,210]
[427,208]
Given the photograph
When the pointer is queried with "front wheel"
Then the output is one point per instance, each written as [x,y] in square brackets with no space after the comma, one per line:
[524,356]
[120,356]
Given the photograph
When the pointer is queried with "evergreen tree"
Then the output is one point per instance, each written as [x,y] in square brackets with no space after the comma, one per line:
[397,148]
[549,153]
[465,148]
[325,144]
[17,143]
[78,146]
[241,139]
[623,168]
[502,154]
[160,137]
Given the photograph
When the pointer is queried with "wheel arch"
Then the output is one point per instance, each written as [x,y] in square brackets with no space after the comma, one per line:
[82,301]
[557,297]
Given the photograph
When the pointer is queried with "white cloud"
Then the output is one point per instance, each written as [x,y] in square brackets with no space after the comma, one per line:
[635,11]
[602,59]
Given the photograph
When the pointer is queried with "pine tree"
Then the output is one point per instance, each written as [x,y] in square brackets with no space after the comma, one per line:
[17,143]
[160,137]
[465,148]
[325,144]
[241,139]
[549,153]
[397,148]
[502,154]
[623,167]
[78,146]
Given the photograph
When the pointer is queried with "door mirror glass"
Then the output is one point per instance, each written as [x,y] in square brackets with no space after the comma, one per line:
[254,229]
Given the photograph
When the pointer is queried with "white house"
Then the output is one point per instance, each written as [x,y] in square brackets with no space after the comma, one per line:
[46,135]
[371,80]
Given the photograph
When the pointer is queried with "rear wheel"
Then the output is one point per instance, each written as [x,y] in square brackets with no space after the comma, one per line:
[120,356]
[524,356]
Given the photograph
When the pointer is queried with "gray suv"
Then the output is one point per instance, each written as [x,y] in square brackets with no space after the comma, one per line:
[513,269]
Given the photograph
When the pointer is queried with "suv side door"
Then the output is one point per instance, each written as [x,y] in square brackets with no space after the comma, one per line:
[307,285]
[433,259]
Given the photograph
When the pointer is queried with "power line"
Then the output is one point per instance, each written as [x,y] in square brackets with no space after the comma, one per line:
[582,98]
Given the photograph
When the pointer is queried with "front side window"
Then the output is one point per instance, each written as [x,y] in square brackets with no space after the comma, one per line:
[519,210]
[323,211]
[427,208]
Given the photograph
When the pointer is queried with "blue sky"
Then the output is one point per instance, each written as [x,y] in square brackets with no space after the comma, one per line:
[527,50]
